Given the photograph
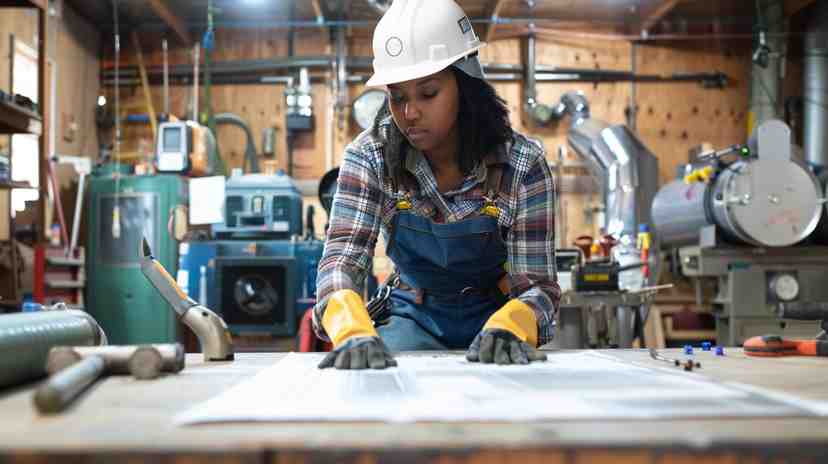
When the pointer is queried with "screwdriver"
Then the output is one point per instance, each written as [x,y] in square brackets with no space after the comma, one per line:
[774,345]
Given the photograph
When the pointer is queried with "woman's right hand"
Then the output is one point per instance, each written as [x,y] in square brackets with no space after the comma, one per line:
[360,353]
[356,343]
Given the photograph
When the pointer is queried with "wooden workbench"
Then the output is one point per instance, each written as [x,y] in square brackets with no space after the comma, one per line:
[122,419]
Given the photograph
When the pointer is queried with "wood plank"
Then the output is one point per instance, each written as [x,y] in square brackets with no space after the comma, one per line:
[145,84]
[497,5]
[170,19]
[652,15]
[793,7]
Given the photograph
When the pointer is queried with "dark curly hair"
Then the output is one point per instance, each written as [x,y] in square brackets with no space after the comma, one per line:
[482,120]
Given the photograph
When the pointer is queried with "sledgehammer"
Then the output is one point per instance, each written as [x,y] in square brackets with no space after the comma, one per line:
[73,369]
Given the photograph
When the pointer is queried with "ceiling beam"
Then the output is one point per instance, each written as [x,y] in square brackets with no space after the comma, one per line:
[497,5]
[793,7]
[655,12]
[171,20]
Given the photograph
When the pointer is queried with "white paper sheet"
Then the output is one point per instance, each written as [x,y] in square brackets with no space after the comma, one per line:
[574,385]
[207,200]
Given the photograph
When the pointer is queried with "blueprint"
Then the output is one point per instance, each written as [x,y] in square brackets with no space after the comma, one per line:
[580,385]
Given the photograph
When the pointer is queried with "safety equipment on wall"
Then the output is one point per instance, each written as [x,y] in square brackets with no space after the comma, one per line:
[417,38]
[366,106]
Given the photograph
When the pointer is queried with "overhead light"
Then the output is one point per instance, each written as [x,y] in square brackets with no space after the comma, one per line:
[101,100]
[366,106]
[380,5]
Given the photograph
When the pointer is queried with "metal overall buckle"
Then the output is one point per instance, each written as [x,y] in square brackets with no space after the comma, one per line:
[378,308]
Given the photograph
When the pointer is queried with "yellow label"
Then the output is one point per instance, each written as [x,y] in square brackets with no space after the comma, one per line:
[596,277]
[403,204]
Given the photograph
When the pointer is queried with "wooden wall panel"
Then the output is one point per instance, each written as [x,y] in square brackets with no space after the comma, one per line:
[674,117]
[75,47]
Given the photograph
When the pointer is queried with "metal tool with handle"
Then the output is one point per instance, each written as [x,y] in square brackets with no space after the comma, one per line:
[63,387]
[211,330]
[774,346]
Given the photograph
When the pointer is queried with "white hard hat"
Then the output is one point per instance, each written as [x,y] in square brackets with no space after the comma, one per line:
[417,38]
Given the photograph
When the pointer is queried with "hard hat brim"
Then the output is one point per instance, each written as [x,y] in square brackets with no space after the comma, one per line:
[417,71]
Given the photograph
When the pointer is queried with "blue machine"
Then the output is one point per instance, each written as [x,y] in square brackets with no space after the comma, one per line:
[261,206]
[258,274]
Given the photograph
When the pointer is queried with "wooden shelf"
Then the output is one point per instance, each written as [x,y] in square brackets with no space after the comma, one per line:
[25,3]
[17,120]
[14,185]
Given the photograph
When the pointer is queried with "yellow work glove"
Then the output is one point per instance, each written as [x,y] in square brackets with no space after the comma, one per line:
[356,343]
[509,337]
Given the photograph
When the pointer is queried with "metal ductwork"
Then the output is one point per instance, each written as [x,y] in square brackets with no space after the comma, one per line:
[626,169]
[815,132]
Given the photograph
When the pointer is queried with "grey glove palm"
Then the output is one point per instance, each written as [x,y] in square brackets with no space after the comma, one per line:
[360,353]
[501,347]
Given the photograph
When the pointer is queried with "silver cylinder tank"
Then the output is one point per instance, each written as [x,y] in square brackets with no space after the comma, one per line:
[679,211]
[763,202]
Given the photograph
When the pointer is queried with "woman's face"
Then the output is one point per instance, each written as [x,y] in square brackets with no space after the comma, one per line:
[425,109]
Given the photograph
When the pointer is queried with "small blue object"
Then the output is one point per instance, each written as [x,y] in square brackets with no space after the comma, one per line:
[688,349]
[31,306]
[643,227]
[720,351]
[207,41]
[705,346]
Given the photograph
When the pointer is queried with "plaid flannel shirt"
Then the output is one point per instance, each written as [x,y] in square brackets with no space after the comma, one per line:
[364,205]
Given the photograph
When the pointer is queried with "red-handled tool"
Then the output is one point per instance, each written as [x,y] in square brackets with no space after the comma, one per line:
[774,345]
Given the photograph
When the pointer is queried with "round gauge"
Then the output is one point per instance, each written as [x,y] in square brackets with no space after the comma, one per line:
[366,106]
[785,287]
[290,99]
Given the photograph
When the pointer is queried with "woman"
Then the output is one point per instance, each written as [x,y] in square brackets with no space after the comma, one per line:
[465,205]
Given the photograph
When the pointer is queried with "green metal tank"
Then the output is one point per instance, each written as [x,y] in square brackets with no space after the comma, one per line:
[118,296]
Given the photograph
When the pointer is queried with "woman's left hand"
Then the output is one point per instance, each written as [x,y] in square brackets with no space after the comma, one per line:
[501,347]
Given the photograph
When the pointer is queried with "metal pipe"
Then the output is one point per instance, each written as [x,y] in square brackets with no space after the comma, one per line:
[166,73]
[815,129]
[529,88]
[341,75]
[26,338]
[766,81]
[708,80]
[196,59]
[497,20]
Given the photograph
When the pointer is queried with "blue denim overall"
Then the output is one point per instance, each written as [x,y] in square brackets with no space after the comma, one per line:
[449,274]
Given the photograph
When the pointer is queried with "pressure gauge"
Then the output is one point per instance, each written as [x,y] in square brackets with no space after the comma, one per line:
[366,106]
[785,287]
